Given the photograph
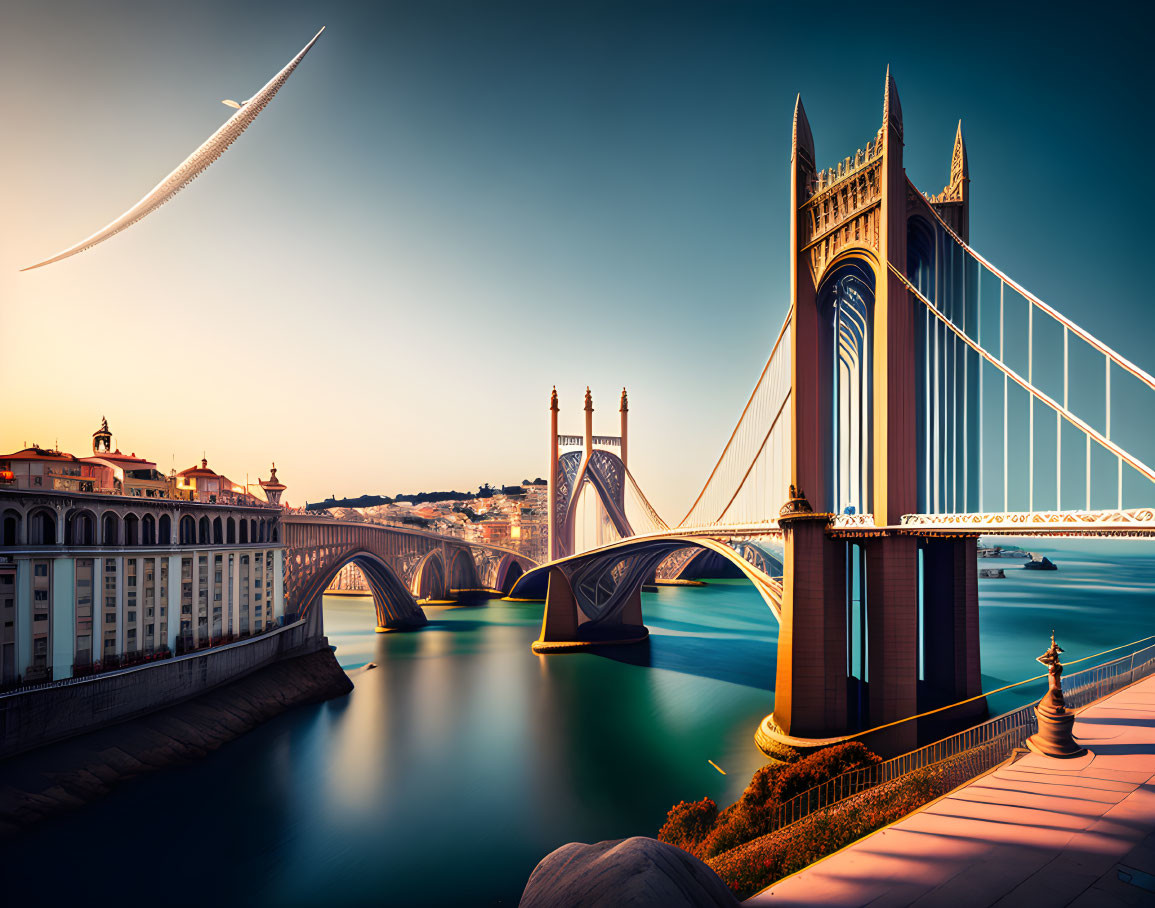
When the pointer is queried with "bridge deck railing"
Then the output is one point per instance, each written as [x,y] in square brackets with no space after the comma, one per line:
[963,756]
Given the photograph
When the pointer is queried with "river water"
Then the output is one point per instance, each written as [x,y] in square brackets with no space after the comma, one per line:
[463,758]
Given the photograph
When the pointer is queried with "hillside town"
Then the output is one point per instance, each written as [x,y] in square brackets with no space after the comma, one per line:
[513,517]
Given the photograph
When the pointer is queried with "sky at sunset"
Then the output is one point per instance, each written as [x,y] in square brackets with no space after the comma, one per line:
[453,206]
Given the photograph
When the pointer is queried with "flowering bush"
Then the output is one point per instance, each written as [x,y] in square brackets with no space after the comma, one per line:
[688,823]
[752,866]
[698,827]
[821,766]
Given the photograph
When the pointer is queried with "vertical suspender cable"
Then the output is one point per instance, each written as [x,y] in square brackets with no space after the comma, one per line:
[1006,484]
[1031,405]
[1088,472]
[979,338]
[966,398]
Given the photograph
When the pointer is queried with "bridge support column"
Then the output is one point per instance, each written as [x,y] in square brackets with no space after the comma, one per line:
[559,623]
[892,639]
[950,622]
[564,628]
[810,691]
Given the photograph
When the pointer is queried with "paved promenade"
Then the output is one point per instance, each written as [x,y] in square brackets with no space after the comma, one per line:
[1038,832]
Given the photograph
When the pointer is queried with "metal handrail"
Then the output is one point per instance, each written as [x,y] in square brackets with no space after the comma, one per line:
[971,752]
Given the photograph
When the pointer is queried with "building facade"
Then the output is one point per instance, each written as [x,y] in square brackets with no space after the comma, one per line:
[101,568]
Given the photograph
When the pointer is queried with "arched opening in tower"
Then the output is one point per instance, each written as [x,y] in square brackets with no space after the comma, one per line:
[846,313]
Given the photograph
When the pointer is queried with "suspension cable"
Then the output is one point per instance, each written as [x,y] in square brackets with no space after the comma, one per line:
[733,435]
[1121,361]
[1074,420]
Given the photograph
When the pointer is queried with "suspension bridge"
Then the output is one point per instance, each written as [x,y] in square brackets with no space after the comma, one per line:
[915,398]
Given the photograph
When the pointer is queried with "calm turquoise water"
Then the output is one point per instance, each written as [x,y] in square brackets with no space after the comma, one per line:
[463,758]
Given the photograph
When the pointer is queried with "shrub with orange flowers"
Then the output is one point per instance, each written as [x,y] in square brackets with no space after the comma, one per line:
[699,828]
[752,866]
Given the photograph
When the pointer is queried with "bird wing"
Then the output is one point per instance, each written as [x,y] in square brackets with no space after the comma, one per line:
[192,166]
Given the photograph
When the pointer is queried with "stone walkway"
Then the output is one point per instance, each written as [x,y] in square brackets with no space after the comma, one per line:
[1037,832]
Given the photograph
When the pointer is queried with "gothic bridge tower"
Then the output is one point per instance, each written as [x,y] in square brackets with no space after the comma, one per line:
[850,636]
[589,467]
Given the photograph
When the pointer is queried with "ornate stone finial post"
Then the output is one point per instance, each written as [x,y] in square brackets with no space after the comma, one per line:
[589,422]
[273,487]
[1054,738]
[625,411]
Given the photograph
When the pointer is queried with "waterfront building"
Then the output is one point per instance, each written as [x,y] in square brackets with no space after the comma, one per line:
[533,525]
[48,469]
[126,474]
[200,483]
[496,530]
[95,576]
[350,580]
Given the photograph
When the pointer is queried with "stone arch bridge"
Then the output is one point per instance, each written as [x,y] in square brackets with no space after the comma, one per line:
[402,566]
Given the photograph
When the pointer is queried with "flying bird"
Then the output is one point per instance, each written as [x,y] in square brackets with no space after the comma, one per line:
[195,164]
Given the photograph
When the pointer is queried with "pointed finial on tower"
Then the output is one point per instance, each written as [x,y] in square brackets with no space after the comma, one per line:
[553,398]
[589,400]
[803,139]
[625,402]
[959,170]
[891,109]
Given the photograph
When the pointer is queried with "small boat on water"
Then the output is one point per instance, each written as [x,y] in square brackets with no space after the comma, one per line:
[1040,563]
[992,572]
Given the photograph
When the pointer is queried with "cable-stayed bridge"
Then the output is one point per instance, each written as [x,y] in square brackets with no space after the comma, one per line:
[915,398]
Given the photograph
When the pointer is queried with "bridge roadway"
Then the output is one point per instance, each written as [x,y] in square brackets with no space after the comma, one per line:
[400,565]
[1038,831]
[604,581]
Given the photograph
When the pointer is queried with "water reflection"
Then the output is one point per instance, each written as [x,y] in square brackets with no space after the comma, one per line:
[463,758]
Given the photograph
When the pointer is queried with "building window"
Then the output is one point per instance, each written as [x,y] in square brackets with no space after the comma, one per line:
[41,595]
[40,570]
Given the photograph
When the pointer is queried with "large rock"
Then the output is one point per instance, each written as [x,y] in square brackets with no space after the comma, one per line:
[633,873]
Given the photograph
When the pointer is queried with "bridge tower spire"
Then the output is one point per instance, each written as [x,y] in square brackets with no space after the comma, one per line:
[625,411]
[960,184]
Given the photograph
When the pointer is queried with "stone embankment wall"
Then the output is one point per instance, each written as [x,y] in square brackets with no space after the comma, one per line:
[66,775]
[33,718]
